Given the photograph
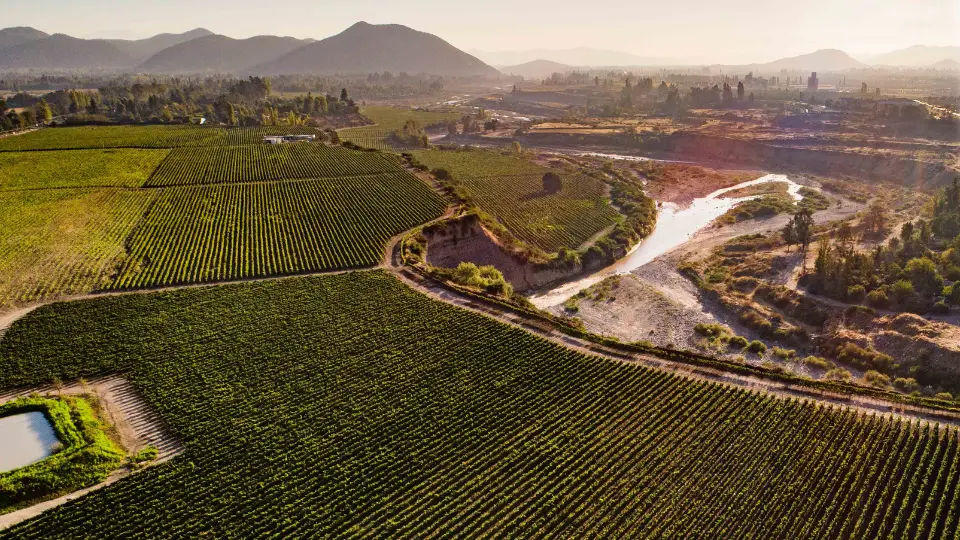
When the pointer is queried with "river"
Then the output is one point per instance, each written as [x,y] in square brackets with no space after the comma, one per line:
[675,226]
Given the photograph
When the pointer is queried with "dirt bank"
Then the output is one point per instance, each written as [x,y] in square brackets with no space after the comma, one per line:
[466,240]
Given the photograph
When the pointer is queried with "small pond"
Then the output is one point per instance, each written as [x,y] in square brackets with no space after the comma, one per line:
[24,439]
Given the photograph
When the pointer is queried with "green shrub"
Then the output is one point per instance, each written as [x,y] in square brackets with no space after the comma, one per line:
[757,347]
[856,293]
[878,298]
[737,342]
[877,379]
[816,362]
[784,353]
[906,385]
[712,331]
[838,374]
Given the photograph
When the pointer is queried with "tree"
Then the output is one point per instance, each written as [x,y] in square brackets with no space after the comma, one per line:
[44,114]
[552,183]
[343,95]
[452,128]
[803,227]
[740,91]
[875,220]
[924,277]
[517,149]
[789,234]
[863,88]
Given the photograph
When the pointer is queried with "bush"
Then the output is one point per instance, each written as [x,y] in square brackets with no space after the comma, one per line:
[757,347]
[856,293]
[712,331]
[784,353]
[941,308]
[838,374]
[442,174]
[877,379]
[907,385]
[816,362]
[878,298]
[487,278]
[738,342]
[946,396]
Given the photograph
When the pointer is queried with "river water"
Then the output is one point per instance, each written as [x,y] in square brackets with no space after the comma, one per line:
[675,226]
[24,439]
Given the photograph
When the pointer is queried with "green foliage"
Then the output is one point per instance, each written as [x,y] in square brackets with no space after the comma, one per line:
[63,241]
[177,136]
[87,455]
[756,347]
[712,331]
[738,342]
[510,189]
[816,362]
[195,234]
[388,121]
[784,353]
[322,405]
[875,378]
[487,278]
[256,163]
[77,168]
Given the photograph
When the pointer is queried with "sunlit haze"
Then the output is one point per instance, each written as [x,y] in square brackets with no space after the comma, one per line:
[694,31]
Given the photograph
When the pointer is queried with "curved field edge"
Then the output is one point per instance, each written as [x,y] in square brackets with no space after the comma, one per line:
[349,404]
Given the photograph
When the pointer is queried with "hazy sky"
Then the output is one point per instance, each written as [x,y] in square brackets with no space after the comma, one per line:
[731,31]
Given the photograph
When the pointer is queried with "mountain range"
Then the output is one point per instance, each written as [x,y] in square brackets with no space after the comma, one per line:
[366,48]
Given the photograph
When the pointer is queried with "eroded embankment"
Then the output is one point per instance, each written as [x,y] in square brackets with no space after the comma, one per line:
[465,239]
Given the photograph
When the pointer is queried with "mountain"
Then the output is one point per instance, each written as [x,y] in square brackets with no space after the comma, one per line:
[949,63]
[219,54]
[368,48]
[918,55]
[537,69]
[141,49]
[574,57]
[18,35]
[60,51]
[823,60]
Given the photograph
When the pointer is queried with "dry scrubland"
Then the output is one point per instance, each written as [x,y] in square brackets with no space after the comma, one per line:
[348,405]
[77,221]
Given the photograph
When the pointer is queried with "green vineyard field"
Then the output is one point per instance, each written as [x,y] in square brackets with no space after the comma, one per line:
[227,232]
[160,136]
[77,168]
[349,405]
[63,241]
[510,189]
[388,120]
[259,162]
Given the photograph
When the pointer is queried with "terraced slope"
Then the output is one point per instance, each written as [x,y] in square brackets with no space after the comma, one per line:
[348,405]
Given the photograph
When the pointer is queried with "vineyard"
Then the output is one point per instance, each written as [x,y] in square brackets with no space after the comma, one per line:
[259,162]
[511,189]
[77,168]
[64,241]
[349,405]
[227,232]
[159,136]
[390,119]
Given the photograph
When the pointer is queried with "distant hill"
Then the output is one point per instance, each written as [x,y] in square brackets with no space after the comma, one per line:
[141,49]
[60,51]
[367,48]
[219,54]
[917,55]
[580,56]
[537,69]
[822,60]
[949,63]
[12,37]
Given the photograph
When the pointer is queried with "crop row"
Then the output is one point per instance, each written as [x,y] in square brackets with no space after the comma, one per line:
[227,232]
[152,136]
[250,163]
[78,168]
[349,405]
[64,241]
[547,220]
